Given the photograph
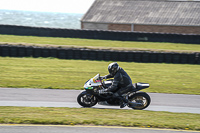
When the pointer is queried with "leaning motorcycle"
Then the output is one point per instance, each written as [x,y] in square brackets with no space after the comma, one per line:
[93,94]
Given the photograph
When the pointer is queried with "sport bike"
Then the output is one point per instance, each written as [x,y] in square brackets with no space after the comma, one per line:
[94,94]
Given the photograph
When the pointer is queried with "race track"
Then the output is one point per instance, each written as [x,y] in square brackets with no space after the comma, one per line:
[67,98]
[81,129]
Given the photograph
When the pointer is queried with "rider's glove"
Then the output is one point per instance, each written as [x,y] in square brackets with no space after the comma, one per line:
[103,91]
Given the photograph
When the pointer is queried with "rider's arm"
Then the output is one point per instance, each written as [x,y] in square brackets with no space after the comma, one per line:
[115,83]
[108,76]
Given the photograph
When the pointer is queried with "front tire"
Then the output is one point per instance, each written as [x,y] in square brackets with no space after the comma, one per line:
[140,98]
[86,100]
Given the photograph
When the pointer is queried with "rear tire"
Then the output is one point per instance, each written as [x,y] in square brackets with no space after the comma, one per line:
[140,97]
[86,100]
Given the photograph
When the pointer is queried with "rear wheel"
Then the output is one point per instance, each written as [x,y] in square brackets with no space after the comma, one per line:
[86,100]
[142,100]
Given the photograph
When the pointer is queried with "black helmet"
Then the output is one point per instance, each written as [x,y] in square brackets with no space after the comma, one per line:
[113,68]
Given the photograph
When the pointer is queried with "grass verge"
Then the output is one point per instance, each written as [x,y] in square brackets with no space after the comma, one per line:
[72,74]
[99,44]
[110,117]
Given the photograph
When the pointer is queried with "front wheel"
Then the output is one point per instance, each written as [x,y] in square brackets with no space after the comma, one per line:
[86,100]
[142,100]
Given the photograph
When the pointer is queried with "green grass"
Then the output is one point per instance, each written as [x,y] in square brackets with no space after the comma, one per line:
[72,74]
[91,43]
[110,117]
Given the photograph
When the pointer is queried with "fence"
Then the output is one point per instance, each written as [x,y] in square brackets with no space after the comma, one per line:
[99,34]
[107,55]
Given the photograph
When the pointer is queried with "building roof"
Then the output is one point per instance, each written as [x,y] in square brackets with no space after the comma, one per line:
[151,12]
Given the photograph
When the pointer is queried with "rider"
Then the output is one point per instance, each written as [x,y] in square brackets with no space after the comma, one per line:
[121,81]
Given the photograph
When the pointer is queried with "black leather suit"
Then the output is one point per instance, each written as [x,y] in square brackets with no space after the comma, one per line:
[122,83]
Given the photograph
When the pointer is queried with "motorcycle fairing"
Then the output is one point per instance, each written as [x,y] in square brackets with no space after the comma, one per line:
[93,82]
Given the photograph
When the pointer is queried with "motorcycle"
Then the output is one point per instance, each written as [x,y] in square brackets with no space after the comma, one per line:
[94,94]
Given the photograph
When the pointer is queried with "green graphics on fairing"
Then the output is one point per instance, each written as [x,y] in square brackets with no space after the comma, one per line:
[89,88]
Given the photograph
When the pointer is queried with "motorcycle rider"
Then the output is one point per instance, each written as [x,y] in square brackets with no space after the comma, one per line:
[121,81]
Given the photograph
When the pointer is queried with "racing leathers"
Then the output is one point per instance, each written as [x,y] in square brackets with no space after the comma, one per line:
[122,83]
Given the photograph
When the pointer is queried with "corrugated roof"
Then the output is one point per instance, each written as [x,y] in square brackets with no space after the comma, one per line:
[144,12]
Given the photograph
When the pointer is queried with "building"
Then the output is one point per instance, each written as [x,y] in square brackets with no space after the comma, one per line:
[160,16]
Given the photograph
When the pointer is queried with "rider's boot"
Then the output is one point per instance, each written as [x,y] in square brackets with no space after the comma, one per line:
[123,105]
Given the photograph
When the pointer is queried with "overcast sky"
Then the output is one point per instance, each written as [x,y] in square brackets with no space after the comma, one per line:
[65,6]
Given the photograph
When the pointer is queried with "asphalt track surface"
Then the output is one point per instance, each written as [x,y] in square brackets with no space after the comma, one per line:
[67,98]
[80,129]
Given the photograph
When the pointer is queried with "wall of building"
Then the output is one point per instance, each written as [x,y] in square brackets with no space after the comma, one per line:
[168,29]
[92,26]
[143,28]
[103,26]
[119,27]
